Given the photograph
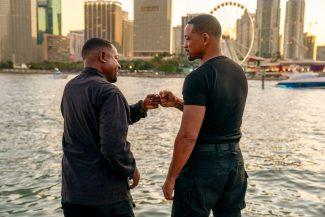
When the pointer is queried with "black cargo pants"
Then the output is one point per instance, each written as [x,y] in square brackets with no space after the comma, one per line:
[213,179]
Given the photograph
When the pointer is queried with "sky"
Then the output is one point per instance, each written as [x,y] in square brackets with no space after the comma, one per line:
[73,13]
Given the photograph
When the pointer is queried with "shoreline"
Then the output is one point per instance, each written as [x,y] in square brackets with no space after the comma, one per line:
[136,75]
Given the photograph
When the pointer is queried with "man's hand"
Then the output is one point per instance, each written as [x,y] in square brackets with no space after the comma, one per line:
[135,179]
[167,98]
[168,188]
[151,102]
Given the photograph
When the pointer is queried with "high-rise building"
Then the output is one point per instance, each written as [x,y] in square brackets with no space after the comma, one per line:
[103,19]
[185,20]
[177,40]
[321,53]
[77,39]
[127,36]
[310,47]
[244,33]
[267,27]
[152,27]
[18,31]
[294,29]
[5,31]
[49,18]
[56,48]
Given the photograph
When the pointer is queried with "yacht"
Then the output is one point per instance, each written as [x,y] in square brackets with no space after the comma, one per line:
[303,80]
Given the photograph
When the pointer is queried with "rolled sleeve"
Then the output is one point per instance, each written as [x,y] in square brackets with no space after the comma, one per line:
[114,123]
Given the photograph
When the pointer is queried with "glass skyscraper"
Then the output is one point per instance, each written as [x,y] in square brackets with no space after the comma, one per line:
[48,18]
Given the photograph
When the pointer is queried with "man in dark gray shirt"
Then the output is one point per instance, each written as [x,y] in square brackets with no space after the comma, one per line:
[97,163]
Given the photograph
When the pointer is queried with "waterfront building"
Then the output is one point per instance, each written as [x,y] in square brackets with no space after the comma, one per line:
[152,27]
[127,36]
[294,29]
[310,48]
[49,18]
[77,40]
[5,48]
[104,19]
[18,31]
[177,40]
[267,27]
[56,48]
[244,33]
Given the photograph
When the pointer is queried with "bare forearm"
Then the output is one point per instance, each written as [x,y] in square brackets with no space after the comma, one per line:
[179,104]
[182,150]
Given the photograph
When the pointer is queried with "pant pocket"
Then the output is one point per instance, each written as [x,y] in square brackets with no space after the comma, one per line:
[182,191]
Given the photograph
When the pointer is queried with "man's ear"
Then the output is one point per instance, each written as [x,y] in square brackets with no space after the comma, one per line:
[101,56]
[206,38]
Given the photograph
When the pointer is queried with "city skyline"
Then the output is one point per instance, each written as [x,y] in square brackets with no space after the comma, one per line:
[314,13]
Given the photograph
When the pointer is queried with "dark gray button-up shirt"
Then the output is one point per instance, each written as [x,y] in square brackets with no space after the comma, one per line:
[97,160]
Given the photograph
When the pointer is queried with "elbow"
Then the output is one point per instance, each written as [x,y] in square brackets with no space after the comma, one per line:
[187,137]
[122,162]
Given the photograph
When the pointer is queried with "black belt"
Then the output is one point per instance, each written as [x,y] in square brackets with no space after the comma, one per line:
[230,147]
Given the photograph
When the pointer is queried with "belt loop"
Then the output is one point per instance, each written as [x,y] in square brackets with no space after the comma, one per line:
[220,153]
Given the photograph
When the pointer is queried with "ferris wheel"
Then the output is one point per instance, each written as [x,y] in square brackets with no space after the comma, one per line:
[237,30]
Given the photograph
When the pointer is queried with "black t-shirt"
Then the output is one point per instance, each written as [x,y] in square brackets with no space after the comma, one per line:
[220,85]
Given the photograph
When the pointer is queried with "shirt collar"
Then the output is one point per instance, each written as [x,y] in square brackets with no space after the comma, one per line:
[91,70]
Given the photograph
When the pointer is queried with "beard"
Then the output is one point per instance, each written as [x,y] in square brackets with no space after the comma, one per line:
[114,79]
[192,58]
[111,79]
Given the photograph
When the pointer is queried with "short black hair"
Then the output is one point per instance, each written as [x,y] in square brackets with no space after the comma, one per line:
[94,43]
[206,23]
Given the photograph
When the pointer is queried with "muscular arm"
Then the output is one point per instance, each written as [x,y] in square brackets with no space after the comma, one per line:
[184,143]
[168,99]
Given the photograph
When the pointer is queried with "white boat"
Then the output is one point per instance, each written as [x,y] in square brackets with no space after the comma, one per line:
[57,74]
[303,80]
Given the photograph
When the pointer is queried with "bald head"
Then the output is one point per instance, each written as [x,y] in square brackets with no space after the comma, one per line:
[206,23]
[95,44]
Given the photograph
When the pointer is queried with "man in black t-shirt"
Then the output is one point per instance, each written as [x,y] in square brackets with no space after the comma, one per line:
[207,169]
